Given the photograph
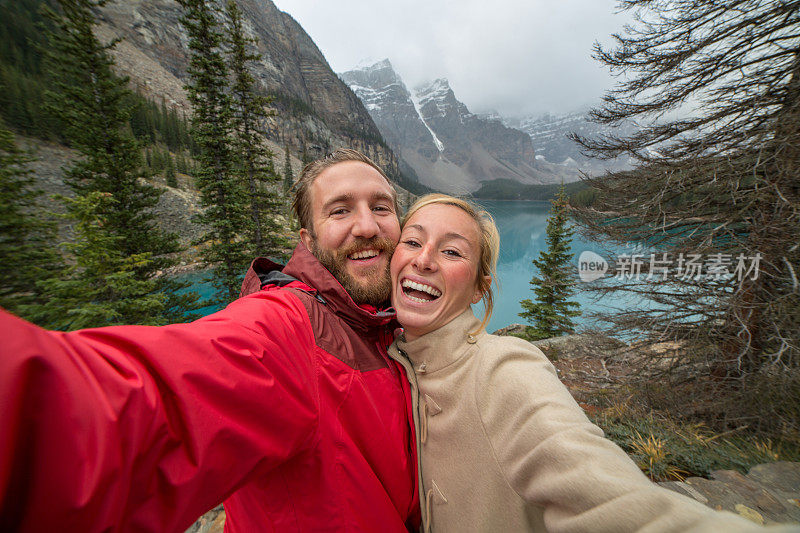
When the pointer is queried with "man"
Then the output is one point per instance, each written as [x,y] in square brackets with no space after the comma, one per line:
[285,402]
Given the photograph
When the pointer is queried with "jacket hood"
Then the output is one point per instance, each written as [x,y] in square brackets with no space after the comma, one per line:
[314,278]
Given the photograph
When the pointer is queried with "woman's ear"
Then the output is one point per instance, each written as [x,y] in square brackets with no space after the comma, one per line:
[478,292]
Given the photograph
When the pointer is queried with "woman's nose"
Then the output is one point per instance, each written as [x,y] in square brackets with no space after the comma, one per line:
[424,260]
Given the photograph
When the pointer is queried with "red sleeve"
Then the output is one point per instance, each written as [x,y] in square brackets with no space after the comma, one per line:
[146,428]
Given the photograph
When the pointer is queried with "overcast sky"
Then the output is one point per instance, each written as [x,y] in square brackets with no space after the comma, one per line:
[517,57]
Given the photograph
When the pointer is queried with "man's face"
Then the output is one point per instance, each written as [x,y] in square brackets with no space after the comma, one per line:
[354,228]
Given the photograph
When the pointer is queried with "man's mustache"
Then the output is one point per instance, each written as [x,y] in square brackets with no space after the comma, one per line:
[381,244]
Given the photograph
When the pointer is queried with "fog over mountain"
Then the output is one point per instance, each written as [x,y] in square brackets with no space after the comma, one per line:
[519,58]
[549,133]
[449,148]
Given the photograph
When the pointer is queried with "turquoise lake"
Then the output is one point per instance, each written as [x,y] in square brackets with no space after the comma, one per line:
[522,236]
[522,228]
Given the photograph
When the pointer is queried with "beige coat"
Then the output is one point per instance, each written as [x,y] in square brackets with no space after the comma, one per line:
[504,447]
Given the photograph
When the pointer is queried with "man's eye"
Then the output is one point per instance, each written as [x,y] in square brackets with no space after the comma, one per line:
[382,208]
[339,211]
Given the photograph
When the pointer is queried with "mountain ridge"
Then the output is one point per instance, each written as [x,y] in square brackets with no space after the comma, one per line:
[315,111]
[450,148]
[549,131]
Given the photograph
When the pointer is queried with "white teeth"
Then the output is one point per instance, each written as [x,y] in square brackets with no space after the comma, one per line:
[408,284]
[364,254]
[415,299]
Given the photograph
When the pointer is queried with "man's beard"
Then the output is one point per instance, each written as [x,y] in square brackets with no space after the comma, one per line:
[377,287]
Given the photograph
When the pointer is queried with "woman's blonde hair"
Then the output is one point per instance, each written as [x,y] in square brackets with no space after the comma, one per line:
[489,243]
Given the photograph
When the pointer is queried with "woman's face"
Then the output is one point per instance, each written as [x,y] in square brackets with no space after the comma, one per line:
[434,268]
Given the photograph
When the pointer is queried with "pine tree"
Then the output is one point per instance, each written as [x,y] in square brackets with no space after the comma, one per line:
[187,139]
[26,240]
[95,107]
[288,183]
[222,193]
[163,122]
[169,172]
[180,163]
[288,179]
[304,157]
[552,312]
[21,80]
[715,88]
[102,287]
[94,104]
[254,160]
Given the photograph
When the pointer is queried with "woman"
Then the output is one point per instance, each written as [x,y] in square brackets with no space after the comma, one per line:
[502,444]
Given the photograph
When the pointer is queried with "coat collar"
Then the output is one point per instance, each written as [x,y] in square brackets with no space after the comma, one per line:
[304,267]
[443,346]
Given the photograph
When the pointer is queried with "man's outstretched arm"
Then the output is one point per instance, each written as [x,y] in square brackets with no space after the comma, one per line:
[144,428]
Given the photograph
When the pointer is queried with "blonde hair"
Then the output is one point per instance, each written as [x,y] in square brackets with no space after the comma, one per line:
[489,243]
[302,200]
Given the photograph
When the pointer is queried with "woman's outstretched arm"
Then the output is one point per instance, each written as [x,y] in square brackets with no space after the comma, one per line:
[555,458]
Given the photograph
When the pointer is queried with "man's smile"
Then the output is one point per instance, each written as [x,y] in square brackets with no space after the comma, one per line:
[364,255]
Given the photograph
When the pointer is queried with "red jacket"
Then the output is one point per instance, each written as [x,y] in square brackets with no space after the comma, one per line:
[301,423]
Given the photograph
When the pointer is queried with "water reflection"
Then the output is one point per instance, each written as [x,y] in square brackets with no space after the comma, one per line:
[522,228]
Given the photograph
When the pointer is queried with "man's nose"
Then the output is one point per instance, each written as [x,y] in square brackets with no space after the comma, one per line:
[365,224]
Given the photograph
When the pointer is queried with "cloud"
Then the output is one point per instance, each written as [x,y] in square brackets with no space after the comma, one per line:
[514,56]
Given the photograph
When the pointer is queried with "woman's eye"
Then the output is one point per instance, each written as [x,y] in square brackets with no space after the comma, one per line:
[452,253]
[411,242]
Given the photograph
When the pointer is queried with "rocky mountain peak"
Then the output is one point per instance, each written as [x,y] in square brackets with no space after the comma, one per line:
[378,76]
[391,106]
[439,86]
[382,64]
[438,99]
[549,133]
[448,147]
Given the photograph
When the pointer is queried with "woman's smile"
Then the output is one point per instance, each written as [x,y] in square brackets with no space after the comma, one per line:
[419,290]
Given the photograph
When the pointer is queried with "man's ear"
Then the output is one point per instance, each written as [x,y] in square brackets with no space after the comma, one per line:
[306,238]
[478,292]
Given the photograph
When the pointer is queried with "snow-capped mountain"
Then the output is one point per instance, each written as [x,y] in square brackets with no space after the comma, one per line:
[449,148]
[391,106]
[549,135]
